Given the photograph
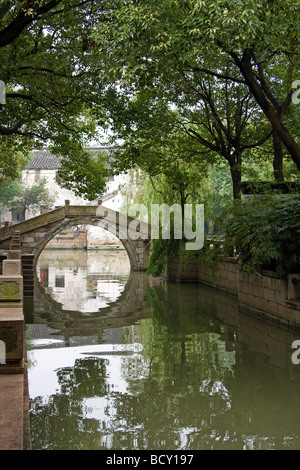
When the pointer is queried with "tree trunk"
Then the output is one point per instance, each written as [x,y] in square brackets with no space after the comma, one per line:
[236,177]
[278,158]
[270,112]
[182,202]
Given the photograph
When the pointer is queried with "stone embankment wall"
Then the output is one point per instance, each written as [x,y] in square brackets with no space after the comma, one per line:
[11,313]
[262,294]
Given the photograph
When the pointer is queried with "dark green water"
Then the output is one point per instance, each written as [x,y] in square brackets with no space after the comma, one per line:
[117,362]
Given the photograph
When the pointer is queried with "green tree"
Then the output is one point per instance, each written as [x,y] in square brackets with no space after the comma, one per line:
[157,144]
[32,197]
[13,158]
[146,41]
[52,72]
[196,121]
[9,191]
[85,173]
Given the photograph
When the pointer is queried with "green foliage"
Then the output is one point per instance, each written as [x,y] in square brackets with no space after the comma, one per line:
[265,232]
[155,141]
[248,47]
[13,158]
[85,173]
[73,66]
[178,128]
[9,191]
[52,74]
[162,252]
[155,190]
[33,197]
[159,190]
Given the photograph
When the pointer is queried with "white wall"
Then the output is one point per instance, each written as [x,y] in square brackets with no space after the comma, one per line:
[60,195]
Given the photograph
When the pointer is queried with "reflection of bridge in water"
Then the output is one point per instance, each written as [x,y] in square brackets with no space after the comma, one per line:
[129,307]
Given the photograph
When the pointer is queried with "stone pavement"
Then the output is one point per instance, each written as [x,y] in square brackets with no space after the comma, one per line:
[14,412]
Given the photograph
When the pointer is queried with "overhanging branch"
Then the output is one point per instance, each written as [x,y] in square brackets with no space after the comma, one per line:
[22,20]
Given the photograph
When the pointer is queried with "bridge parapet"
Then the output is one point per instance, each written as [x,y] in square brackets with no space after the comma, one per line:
[30,224]
[69,211]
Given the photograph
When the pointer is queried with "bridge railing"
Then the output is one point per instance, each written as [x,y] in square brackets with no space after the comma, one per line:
[32,223]
[70,211]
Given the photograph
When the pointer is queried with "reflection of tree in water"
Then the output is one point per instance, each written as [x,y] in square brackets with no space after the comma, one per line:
[183,391]
[154,417]
[182,339]
[60,423]
[86,378]
[162,404]
[182,353]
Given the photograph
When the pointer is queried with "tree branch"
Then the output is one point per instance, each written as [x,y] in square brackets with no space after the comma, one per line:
[15,28]
[257,143]
[218,75]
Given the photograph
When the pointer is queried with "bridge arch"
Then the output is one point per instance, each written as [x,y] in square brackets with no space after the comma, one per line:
[32,235]
[67,223]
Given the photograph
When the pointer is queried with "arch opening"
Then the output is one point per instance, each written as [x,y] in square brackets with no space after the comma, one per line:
[80,278]
[66,225]
[89,237]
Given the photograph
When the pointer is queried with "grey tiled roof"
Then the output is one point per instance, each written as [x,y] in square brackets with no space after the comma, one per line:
[44,160]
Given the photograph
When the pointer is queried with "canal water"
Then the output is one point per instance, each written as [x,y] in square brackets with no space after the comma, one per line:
[120,361]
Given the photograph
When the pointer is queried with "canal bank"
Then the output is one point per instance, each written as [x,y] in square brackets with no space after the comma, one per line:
[265,294]
[14,402]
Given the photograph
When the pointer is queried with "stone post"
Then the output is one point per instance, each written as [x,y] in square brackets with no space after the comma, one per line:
[67,206]
[11,313]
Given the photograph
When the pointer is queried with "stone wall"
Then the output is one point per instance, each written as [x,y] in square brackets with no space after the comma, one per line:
[263,294]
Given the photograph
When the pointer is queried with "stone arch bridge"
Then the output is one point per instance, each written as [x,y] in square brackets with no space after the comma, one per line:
[31,236]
